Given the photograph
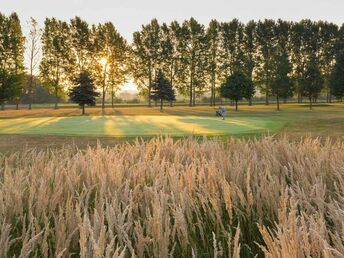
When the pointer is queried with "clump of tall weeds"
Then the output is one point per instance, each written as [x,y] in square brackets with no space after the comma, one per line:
[175,198]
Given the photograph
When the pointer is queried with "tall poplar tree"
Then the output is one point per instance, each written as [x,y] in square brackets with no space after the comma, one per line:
[33,50]
[214,57]
[146,49]
[266,43]
[169,60]
[313,81]
[11,59]
[281,86]
[111,48]
[80,34]
[192,47]
[337,77]
[249,49]
[328,33]
[57,59]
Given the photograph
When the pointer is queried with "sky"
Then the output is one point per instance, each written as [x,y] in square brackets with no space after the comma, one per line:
[129,15]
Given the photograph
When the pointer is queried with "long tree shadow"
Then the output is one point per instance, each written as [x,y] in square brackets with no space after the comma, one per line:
[236,126]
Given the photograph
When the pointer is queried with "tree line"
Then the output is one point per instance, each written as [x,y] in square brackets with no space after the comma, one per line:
[281,59]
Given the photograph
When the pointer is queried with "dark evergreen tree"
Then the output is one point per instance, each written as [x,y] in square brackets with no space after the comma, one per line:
[337,77]
[313,81]
[84,92]
[236,87]
[161,89]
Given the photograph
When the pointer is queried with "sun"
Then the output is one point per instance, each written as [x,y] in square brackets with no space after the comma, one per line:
[103,61]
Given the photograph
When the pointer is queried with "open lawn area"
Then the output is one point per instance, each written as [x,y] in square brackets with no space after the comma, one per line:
[49,126]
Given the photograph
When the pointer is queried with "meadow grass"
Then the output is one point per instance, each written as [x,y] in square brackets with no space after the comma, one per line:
[175,198]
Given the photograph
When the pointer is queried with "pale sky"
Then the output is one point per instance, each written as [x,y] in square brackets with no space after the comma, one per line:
[129,15]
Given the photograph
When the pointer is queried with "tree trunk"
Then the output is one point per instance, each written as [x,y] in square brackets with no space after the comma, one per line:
[83,110]
[149,86]
[30,91]
[161,104]
[236,105]
[56,98]
[17,105]
[212,98]
[103,100]
[310,103]
[190,90]
[266,98]
[299,97]
[171,103]
[194,98]
[278,104]
[250,102]
[2,106]
[112,99]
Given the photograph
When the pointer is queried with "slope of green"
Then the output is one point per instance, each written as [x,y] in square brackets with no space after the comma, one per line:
[140,125]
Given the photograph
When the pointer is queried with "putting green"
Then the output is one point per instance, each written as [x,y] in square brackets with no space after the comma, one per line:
[140,125]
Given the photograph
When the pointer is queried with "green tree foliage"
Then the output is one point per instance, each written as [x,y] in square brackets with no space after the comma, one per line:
[84,91]
[337,77]
[81,45]
[112,48]
[12,75]
[313,81]
[281,86]
[232,47]
[277,55]
[193,47]
[214,57]
[249,48]
[57,59]
[328,33]
[170,57]
[266,42]
[236,87]
[33,49]
[162,89]
[146,50]
[304,37]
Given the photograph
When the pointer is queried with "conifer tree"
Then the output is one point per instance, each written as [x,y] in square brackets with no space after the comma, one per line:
[162,89]
[84,91]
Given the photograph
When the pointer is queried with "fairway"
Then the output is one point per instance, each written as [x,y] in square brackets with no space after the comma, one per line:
[140,125]
[294,120]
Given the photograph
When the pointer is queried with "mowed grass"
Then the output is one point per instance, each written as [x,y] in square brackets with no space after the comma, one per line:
[140,125]
[295,120]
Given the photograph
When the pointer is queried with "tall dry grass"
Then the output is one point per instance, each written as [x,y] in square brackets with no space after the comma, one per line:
[167,198]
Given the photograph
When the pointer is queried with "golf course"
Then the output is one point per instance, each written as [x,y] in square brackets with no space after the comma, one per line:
[126,122]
